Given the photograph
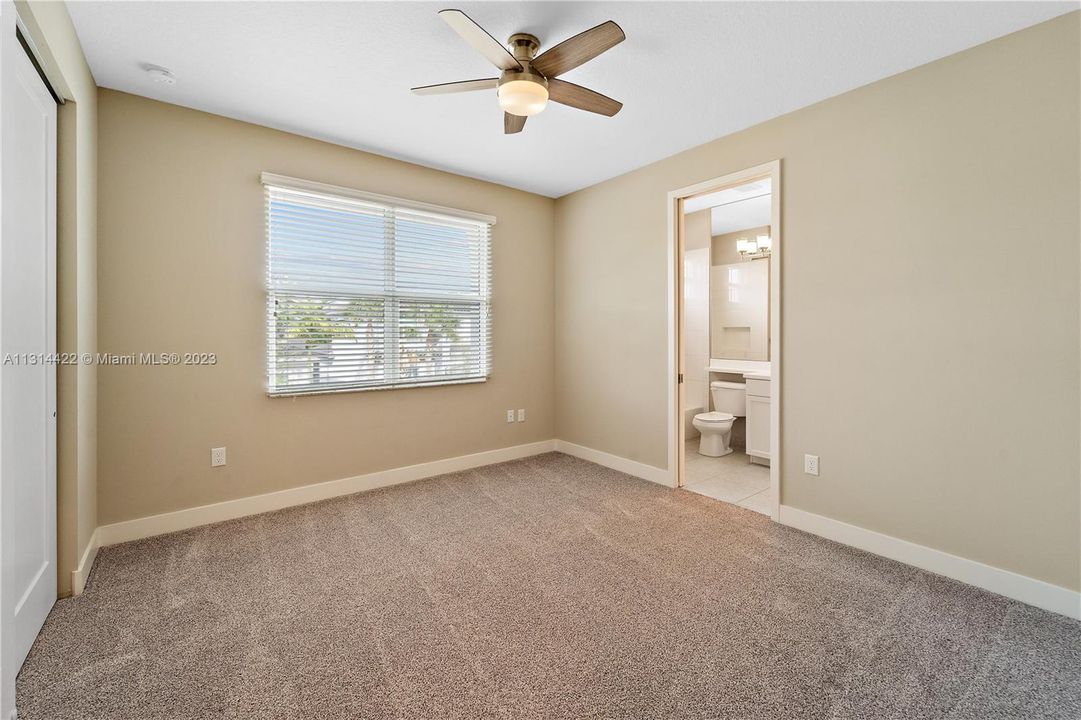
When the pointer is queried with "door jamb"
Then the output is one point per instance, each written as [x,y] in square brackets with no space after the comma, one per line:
[676,433]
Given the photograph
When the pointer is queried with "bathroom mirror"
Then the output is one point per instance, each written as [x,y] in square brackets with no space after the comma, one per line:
[741,246]
[728,244]
[739,298]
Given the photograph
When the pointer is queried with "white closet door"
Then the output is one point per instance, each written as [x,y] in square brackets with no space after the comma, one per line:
[27,335]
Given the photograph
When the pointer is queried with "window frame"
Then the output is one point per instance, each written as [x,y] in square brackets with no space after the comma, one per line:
[390,205]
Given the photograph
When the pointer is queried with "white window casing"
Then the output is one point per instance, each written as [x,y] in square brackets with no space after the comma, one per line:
[370,292]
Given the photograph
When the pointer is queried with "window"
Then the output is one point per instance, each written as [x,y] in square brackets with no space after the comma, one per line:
[366,291]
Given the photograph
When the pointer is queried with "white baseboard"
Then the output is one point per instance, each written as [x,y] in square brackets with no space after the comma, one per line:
[631,467]
[1019,587]
[256,504]
[1012,585]
[81,574]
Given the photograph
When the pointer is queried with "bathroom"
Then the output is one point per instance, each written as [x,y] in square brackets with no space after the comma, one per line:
[727,338]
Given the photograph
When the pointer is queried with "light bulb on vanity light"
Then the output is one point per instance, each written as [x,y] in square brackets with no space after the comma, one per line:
[746,247]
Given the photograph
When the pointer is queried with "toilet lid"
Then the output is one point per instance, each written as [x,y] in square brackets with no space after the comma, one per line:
[714,416]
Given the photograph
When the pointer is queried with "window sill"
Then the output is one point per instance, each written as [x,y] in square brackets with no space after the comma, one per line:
[374,388]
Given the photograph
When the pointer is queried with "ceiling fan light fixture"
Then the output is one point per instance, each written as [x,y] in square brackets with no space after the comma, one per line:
[528,80]
[523,97]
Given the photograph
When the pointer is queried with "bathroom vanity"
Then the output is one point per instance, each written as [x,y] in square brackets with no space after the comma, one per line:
[758,402]
[739,367]
[756,375]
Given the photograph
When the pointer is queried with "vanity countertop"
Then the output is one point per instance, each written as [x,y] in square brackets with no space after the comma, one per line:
[755,369]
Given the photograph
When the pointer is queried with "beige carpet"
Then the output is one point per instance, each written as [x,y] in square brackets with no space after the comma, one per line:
[543,588]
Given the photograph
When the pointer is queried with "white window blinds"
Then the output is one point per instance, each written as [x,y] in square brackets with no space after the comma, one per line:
[365,291]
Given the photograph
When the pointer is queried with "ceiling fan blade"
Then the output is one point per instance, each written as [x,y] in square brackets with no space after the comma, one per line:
[479,38]
[512,123]
[576,96]
[581,48]
[456,87]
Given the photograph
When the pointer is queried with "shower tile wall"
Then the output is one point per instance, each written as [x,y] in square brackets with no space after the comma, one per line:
[696,278]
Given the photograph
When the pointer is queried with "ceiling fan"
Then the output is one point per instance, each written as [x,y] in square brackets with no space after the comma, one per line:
[528,80]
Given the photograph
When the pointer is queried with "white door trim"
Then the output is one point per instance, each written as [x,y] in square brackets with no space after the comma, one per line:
[771,170]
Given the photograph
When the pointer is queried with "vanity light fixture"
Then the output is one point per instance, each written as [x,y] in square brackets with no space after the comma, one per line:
[746,247]
[759,247]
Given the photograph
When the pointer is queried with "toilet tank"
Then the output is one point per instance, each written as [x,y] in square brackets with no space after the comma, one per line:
[729,397]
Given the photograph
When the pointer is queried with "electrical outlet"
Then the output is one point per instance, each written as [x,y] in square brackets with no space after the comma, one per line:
[510,416]
[217,457]
[521,414]
[810,464]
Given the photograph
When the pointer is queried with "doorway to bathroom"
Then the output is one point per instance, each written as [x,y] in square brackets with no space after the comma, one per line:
[724,328]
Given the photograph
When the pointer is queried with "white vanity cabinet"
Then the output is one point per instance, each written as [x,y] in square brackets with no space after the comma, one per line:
[758,401]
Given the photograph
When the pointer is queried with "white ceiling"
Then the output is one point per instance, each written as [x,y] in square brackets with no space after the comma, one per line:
[736,208]
[687,73]
[741,215]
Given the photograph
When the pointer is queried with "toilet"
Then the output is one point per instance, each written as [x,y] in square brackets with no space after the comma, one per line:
[730,402]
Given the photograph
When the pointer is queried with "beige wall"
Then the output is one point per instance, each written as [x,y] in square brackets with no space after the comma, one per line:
[904,203]
[53,34]
[182,263]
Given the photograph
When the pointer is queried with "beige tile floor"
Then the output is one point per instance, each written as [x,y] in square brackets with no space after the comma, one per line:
[732,478]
